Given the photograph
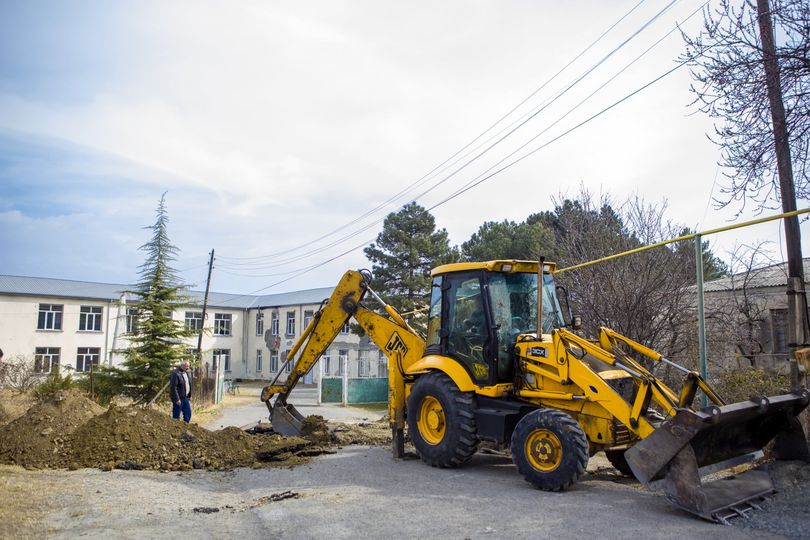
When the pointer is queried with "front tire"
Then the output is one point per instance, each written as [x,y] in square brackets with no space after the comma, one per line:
[549,449]
[441,421]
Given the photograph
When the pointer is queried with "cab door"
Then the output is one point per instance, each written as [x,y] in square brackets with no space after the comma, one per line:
[465,325]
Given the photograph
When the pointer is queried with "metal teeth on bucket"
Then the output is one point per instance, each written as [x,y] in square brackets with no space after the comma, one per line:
[719,436]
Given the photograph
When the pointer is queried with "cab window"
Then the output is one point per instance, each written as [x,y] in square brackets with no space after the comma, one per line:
[466,324]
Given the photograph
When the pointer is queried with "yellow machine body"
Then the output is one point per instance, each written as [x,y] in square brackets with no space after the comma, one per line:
[499,364]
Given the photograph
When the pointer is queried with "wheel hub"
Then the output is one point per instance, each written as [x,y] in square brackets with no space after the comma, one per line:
[431,421]
[544,450]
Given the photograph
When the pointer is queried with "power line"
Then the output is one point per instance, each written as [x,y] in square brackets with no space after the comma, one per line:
[260,266]
[441,166]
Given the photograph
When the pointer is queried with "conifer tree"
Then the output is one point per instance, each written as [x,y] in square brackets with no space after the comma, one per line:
[157,344]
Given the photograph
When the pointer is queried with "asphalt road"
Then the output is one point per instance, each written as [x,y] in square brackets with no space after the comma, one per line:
[358,492]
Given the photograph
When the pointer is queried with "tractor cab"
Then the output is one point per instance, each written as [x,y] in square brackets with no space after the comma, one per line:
[477,311]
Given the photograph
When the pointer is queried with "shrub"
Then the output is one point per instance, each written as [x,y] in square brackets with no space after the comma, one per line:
[740,384]
[53,384]
[19,374]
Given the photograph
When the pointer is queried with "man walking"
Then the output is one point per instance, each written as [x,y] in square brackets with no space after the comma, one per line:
[180,389]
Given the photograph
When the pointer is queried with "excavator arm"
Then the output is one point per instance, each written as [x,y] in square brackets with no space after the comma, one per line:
[390,332]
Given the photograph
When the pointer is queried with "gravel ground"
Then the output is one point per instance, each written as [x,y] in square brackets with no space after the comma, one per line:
[360,491]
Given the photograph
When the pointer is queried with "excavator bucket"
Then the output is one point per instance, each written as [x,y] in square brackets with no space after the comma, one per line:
[694,443]
[286,419]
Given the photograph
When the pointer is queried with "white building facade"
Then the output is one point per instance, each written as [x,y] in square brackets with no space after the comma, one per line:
[73,325]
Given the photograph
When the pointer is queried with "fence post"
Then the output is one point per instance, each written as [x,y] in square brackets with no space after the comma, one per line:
[320,383]
[704,370]
[345,392]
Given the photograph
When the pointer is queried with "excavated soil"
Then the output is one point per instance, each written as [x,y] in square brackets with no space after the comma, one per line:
[70,431]
[37,439]
[13,405]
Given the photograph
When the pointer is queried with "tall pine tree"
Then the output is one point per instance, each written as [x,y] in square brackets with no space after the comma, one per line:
[406,250]
[157,344]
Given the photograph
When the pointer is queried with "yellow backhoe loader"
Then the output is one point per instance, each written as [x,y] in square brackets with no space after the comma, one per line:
[495,368]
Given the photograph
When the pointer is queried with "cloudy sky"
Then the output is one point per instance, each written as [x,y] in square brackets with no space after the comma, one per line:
[274,124]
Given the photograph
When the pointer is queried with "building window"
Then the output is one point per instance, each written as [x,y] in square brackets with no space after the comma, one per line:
[346,328]
[273,362]
[131,321]
[222,357]
[222,324]
[259,323]
[46,359]
[89,319]
[779,328]
[327,363]
[258,360]
[50,317]
[194,321]
[343,361]
[290,323]
[382,366]
[87,358]
[307,318]
[274,324]
[288,365]
[363,364]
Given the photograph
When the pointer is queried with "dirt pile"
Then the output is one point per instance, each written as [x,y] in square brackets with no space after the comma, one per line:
[13,405]
[37,439]
[70,431]
[368,433]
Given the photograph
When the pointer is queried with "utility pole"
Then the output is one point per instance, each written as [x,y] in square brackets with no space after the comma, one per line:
[795,284]
[205,306]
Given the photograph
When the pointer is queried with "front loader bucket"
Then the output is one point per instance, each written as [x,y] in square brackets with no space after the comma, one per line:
[286,419]
[691,443]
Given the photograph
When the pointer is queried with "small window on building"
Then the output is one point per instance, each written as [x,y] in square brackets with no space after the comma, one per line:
[288,366]
[258,360]
[290,323]
[274,324]
[46,359]
[363,364]
[222,357]
[50,317]
[259,323]
[131,321]
[343,361]
[346,328]
[327,363]
[87,358]
[273,362]
[308,318]
[382,366]
[194,321]
[90,319]
[222,324]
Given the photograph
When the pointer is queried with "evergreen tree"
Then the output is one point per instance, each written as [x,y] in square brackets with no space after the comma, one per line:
[406,250]
[157,344]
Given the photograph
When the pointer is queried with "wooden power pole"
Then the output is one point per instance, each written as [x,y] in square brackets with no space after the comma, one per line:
[205,307]
[797,313]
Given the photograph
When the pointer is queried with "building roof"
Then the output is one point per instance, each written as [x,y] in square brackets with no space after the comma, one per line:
[67,288]
[767,276]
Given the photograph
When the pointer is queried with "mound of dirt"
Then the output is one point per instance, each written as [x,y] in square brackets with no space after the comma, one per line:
[137,438]
[13,405]
[368,433]
[36,439]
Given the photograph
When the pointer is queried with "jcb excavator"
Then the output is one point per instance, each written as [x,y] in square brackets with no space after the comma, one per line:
[500,365]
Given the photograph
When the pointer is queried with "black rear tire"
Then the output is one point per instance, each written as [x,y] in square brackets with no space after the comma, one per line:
[619,462]
[441,421]
[550,449]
